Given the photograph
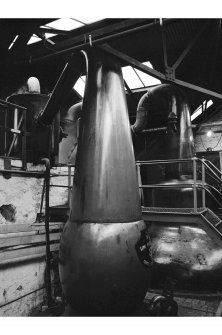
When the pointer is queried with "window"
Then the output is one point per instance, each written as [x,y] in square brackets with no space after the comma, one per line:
[133,77]
[80,85]
[206,104]
[61,24]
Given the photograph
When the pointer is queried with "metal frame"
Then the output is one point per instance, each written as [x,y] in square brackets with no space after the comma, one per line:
[156,74]
[194,185]
[5,106]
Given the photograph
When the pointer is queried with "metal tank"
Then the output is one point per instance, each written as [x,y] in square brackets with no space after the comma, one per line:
[34,102]
[183,253]
[104,254]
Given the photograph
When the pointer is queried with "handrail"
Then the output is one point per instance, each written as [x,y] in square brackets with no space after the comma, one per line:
[209,162]
[214,178]
[166,161]
[211,194]
[204,162]
[195,185]
[10,104]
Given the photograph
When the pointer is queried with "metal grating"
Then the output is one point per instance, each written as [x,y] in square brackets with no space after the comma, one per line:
[209,215]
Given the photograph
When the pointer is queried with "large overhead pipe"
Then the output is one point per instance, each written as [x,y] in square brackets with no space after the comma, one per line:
[105,250]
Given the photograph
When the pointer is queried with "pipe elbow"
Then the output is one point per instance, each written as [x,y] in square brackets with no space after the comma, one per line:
[141,114]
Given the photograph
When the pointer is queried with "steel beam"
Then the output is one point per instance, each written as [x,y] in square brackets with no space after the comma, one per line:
[163,35]
[156,74]
[53,31]
[100,36]
[188,48]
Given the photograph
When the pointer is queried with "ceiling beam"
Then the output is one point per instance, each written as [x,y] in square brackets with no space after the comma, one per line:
[188,48]
[99,36]
[53,31]
[156,74]
[164,44]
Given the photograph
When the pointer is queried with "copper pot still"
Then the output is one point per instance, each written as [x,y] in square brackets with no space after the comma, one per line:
[104,255]
[184,253]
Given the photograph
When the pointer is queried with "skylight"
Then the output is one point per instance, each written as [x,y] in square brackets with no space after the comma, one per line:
[137,79]
[80,85]
[134,79]
[63,24]
[34,39]
[206,104]
[147,79]
[131,78]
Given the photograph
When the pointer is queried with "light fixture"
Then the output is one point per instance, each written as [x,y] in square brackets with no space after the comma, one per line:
[209,133]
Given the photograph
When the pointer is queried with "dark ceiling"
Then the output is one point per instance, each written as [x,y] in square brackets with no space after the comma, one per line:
[141,39]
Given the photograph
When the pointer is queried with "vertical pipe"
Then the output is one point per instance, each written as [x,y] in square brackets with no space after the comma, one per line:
[220,158]
[15,137]
[5,148]
[46,161]
[140,184]
[203,184]
[15,127]
[195,184]
[24,147]
[69,184]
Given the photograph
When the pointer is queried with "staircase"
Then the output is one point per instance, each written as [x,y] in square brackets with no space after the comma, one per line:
[204,218]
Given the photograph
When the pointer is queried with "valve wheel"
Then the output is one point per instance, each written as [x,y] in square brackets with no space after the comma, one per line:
[163,306]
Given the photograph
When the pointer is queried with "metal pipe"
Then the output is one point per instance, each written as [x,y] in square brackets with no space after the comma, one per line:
[15,127]
[69,185]
[165,161]
[210,163]
[25,173]
[15,136]
[46,161]
[10,104]
[203,183]
[220,157]
[140,184]
[195,184]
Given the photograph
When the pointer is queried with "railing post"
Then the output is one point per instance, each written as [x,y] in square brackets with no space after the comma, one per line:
[24,146]
[220,157]
[139,183]
[195,184]
[46,161]
[69,184]
[5,134]
[203,184]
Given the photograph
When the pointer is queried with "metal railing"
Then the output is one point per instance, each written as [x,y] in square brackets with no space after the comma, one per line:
[206,167]
[69,176]
[19,130]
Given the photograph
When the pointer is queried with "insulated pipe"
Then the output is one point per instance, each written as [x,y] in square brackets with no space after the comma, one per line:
[68,145]
[105,250]
[179,136]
